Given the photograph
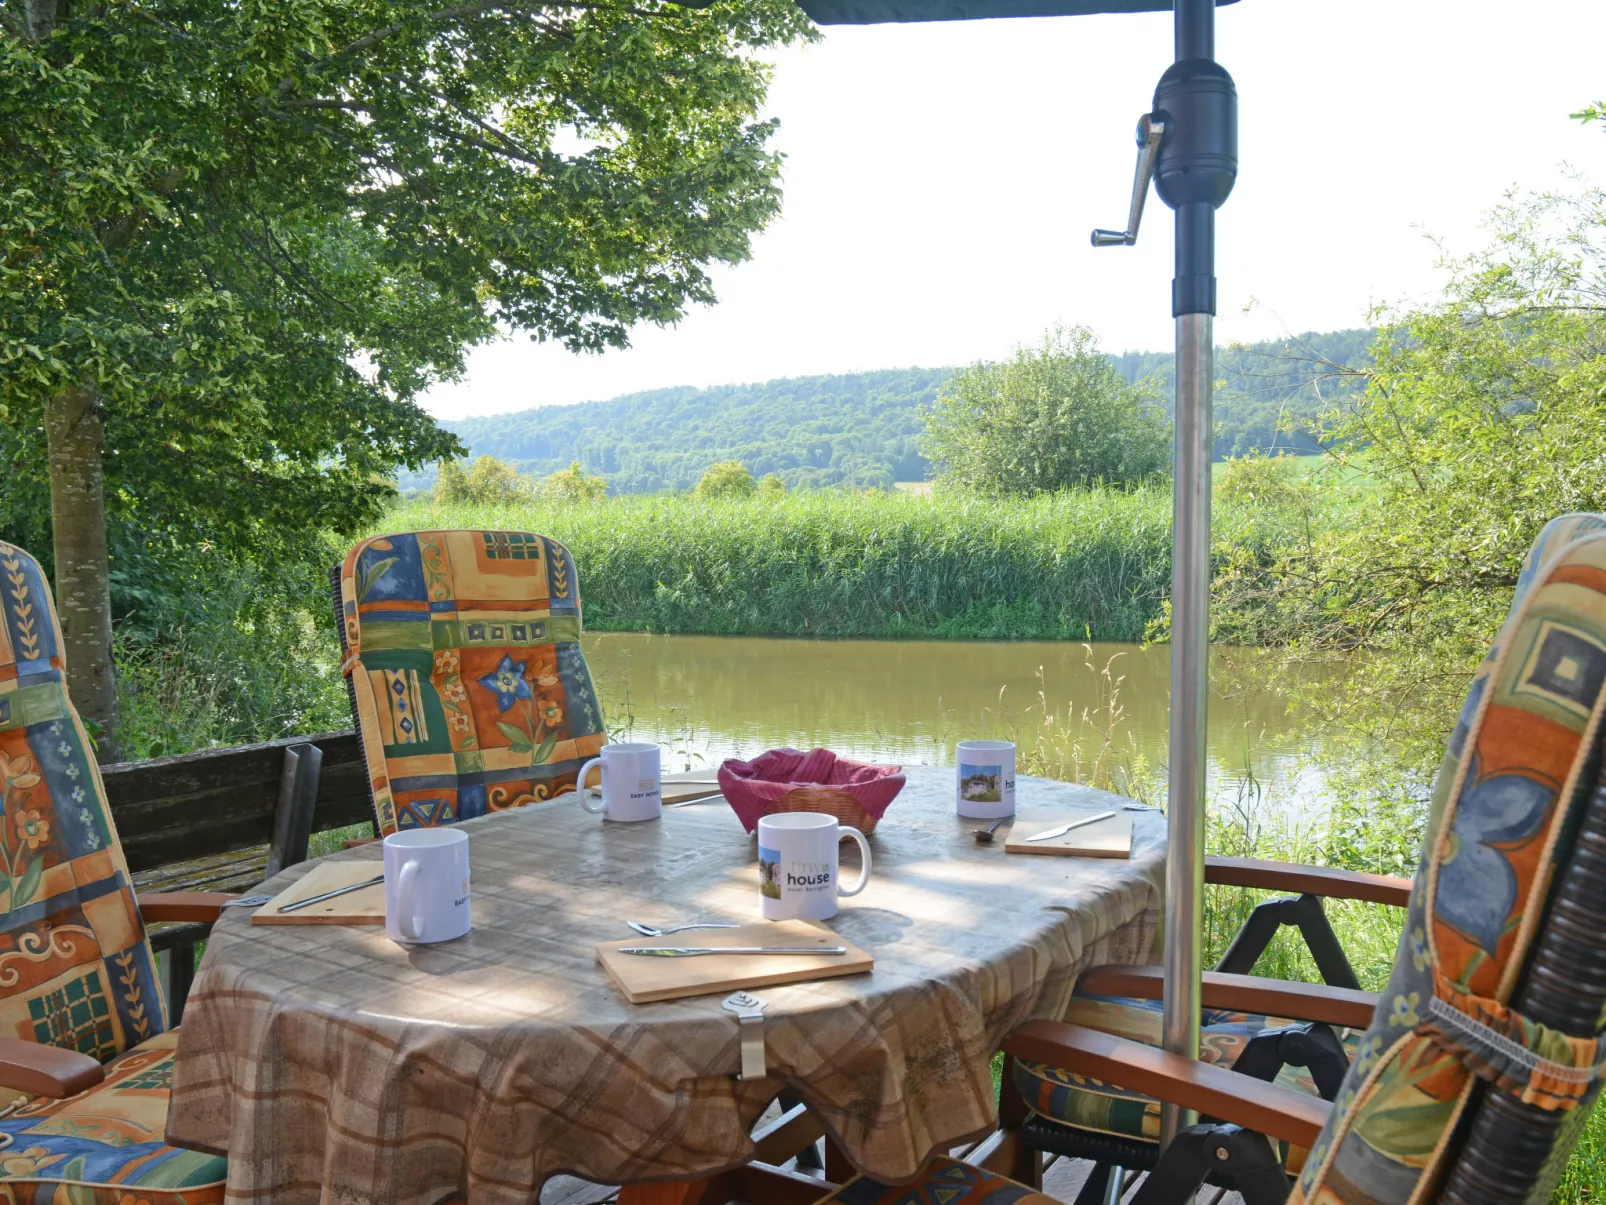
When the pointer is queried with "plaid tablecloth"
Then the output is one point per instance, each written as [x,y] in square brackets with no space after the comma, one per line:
[333,1065]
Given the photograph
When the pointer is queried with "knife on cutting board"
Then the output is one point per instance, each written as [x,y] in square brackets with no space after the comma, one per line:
[692,951]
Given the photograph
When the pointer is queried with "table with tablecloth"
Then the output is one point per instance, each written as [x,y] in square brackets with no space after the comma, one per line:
[332,1064]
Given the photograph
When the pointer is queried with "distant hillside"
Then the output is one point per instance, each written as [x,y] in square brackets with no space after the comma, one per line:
[859,429]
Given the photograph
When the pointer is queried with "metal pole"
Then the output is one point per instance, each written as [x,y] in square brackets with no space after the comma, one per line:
[1190,683]
[1193,303]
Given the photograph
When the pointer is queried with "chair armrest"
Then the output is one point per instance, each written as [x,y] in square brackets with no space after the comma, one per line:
[1242,993]
[1309,880]
[46,1070]
[1215,1091]
[182,905]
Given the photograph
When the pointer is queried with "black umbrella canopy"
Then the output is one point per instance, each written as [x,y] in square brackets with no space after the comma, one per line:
[872,12]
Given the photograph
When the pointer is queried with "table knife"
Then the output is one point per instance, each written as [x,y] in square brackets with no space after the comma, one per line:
[690,951]
[329,895]
[1061,830]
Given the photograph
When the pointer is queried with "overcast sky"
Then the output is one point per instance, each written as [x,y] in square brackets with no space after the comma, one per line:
[941,180]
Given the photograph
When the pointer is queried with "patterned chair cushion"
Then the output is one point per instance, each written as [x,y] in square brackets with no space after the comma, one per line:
[470,690]
[943,1181]
[1090,1104]
[75,968]
[1510,791]
[104,1146]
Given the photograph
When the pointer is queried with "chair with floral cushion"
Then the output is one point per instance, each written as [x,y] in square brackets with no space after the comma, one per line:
[84,1045]
[1479,1063]
[467,684]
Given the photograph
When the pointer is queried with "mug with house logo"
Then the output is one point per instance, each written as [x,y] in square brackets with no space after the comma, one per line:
[798,871]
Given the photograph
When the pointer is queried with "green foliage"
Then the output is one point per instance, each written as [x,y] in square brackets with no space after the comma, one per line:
[1077,565]
[487,481]
[772,486]
[259,239]
[1481,420]
[727,479]
[861,429]
[1268,395]
[1049,418]
[857,430]
[573,485]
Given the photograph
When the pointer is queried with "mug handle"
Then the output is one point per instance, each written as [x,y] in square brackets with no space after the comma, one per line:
[406,888]
[580,786]
[864,852]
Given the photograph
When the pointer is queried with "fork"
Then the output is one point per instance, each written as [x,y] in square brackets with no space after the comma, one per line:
[649,931]
[247,901]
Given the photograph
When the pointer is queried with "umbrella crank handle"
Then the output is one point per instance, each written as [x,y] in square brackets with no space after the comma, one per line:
[1151,129]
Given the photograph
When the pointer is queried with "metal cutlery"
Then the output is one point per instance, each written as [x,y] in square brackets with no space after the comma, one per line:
[247,901]
[329,895]
[649,931]
[984,836]
[693,951]
[1062,829]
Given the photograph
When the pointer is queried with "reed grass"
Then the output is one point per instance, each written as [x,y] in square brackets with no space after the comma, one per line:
[1091,564]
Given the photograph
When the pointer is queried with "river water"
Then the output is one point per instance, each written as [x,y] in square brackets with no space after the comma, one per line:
[705,698]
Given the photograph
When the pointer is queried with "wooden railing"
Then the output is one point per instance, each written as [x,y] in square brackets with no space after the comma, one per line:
[204,822]
[197,807]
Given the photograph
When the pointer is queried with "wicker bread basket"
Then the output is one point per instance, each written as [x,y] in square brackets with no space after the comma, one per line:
[832,801]
[785,780]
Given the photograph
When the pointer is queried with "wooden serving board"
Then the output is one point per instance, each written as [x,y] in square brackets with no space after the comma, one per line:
[645,979]
[1110,838]
[365,907]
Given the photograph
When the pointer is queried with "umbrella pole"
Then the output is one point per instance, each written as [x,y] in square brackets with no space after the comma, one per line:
[1197,163]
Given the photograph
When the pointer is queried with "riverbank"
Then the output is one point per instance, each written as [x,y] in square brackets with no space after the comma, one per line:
[1087,564]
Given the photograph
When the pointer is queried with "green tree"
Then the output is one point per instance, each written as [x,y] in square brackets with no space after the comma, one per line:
[573,485]
[1051,417]
[771,486]
[727,479]
[486,482]
[235,242]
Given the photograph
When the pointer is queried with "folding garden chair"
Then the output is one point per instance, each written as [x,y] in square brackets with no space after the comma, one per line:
[1479,1063]
[461,651]
[87,1051]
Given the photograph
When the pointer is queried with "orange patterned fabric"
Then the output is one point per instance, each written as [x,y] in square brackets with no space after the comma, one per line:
[470,690]
[106,1146]
[1511,788]
[75,968]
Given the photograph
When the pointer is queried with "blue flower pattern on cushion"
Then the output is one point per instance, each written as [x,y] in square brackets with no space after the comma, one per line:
[507,683]
[1477,887]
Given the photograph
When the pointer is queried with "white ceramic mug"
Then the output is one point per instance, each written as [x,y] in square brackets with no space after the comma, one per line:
[797,865]
[985,782]
[632,786]
[426,885]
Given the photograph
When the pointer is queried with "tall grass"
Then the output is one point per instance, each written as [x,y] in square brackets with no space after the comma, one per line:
[1091,564]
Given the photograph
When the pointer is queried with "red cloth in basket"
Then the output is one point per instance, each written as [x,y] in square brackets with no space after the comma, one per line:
[754,787]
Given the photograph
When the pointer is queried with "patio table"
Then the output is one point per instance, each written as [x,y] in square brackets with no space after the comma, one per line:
[331,1064]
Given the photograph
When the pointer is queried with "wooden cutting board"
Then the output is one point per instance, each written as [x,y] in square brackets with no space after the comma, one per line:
[645,979]
[365,907]
[1110,838]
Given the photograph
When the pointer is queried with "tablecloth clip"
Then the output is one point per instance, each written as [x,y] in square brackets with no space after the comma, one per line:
[749,1010]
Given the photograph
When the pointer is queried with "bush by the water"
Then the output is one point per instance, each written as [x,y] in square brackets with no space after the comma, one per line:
[1077,565]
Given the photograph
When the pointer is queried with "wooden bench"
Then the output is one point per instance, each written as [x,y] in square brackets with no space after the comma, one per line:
[225,819]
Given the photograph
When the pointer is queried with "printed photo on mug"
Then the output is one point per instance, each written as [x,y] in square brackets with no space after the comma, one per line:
[985,780]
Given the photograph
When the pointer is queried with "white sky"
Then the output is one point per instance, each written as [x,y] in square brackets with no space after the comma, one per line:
[941,181]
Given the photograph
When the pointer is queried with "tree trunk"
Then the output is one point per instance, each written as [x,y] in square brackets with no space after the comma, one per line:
[83,583]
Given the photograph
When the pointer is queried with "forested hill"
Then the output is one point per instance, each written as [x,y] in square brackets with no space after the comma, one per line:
[859,429]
